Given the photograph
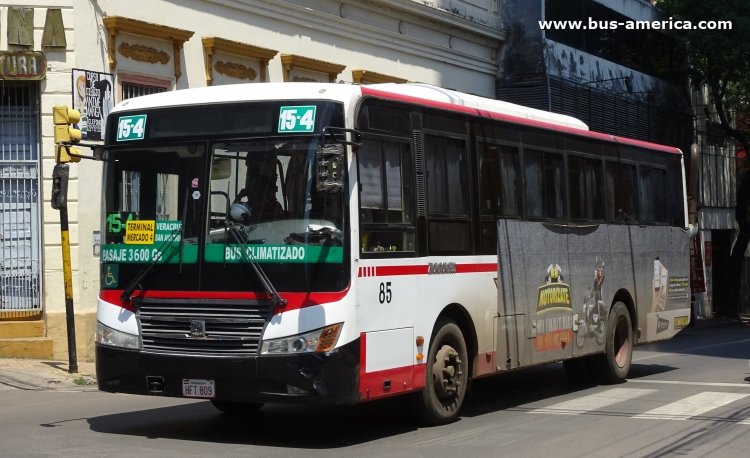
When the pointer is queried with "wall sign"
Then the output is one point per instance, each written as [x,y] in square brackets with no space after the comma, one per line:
[22,65]
[93,96]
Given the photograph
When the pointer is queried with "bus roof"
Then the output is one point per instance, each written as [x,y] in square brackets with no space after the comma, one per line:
[243,93]
[418,93]
[481,105]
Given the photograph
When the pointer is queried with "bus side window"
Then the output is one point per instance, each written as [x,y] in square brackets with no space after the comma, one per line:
[621,192]
[499,190]
[652,186]
[533,184]
[448,191]
[386,197]
[586,188]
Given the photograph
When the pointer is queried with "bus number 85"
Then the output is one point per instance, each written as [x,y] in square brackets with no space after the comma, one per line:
[385,292]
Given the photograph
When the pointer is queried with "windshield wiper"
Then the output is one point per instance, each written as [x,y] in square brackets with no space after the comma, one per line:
[125,296]
[276,299]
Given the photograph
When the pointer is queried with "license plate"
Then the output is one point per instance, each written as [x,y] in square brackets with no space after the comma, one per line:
[198,388]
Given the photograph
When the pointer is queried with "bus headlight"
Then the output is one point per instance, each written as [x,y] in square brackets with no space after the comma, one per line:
[114,338]
[318,341]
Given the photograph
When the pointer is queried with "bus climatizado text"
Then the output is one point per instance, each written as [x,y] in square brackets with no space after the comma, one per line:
[330,243]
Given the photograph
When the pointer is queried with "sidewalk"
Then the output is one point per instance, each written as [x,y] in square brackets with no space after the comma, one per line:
[35,374]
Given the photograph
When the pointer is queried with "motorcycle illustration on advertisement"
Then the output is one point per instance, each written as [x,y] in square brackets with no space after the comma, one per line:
[593,320]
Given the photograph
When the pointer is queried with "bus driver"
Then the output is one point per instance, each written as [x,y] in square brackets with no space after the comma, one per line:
[259,193]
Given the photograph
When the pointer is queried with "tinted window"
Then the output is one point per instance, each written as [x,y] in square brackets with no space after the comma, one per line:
[652,188]
[446,165]
[447,180]
[586,184]
[621,192]
[500,178]
[544,184]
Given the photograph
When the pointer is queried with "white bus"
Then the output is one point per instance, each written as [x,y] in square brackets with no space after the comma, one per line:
[336,243]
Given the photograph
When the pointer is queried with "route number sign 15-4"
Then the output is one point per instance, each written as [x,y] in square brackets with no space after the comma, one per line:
[131,128]
[297,119]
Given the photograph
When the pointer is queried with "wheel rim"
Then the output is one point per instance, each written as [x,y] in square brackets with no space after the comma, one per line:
[447,372]
[622,344]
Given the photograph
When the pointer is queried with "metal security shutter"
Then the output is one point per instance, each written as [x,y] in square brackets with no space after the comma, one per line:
[616,114]
[532,93]
[603,111]
[130,90]
[20,240]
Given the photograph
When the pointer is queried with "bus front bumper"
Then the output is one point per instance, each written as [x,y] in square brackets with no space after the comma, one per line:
[331,377]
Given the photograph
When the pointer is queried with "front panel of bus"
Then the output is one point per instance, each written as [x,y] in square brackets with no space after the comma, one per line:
[219,234]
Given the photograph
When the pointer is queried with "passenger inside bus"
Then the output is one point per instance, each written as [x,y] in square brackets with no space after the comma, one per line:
[258,197]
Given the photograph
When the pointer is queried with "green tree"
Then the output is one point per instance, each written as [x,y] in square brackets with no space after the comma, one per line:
[720,60]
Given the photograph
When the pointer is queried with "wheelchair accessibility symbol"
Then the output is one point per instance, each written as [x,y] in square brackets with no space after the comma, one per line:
[110,276]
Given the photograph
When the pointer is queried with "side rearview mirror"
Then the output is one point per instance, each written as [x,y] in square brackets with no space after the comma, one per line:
[330,168]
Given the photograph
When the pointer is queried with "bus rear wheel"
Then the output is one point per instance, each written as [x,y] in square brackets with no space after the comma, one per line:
[447,375]
[614,365]
[234,408]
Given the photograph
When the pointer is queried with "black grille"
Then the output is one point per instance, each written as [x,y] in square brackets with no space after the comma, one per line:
[210,327]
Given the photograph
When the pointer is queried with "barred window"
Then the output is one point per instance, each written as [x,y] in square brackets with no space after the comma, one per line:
[130,90]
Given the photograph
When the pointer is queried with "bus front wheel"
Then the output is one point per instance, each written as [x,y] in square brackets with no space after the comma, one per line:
[614,364]
[447,375]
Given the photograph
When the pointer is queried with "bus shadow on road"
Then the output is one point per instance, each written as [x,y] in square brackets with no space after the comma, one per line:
[285,426]
[640,370]
[200,421]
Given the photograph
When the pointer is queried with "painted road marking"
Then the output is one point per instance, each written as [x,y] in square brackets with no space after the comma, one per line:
[594,401]
[692,406]
[679,382]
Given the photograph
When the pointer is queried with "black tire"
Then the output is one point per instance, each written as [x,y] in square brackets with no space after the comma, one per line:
[234,408]
[447,376]
[614,365]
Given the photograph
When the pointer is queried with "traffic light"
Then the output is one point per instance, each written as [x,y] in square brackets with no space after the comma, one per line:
[65,134]
[59,195]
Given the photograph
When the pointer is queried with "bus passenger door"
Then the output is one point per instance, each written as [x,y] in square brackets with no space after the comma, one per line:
[535,314]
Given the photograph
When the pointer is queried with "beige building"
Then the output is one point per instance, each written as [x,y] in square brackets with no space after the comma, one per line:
[117,49]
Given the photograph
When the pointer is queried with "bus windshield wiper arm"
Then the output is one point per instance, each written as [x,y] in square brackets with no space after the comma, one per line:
[145,270]
[277,300]
[125,296]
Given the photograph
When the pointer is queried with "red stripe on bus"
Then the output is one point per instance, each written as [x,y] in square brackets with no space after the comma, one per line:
[366,91]
[473,268]
[387,382]
[387,271]
[294,300]
[422,269]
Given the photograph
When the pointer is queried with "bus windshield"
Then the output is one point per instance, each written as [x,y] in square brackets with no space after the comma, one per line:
[208,215]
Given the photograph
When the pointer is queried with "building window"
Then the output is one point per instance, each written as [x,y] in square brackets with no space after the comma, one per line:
[130,90]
